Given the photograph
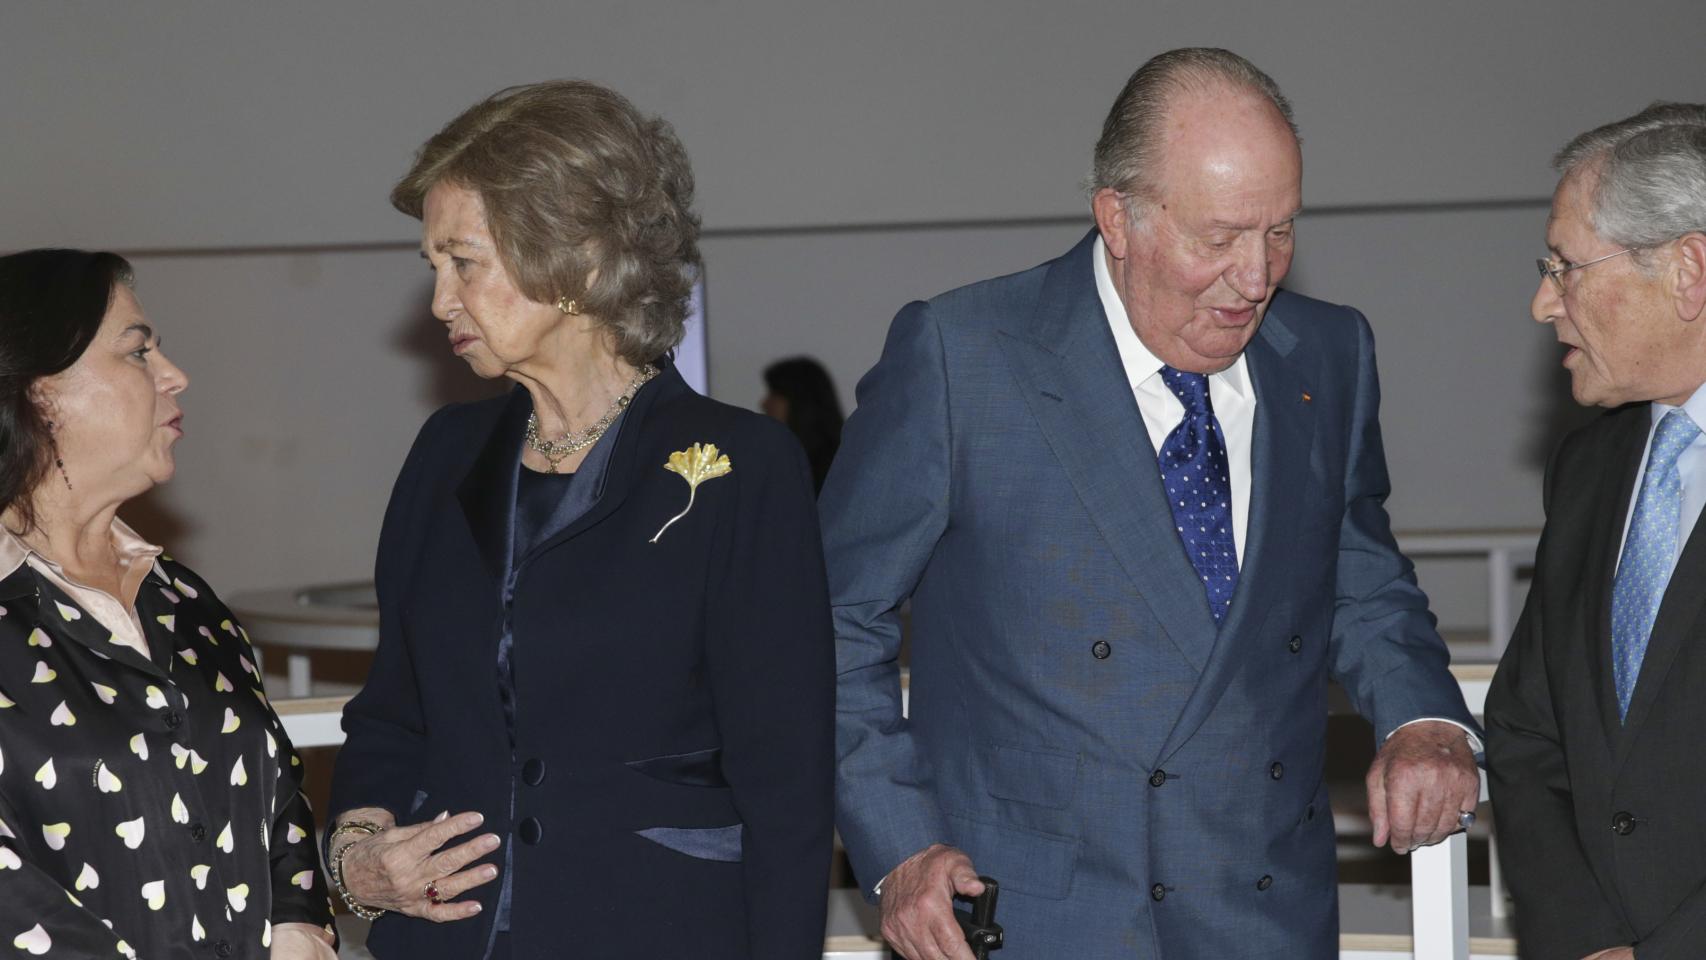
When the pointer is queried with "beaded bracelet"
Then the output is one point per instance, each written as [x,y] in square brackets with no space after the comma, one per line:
[356,907]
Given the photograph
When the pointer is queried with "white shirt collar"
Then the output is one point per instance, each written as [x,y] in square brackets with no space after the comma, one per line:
[1694,406]
[1140,363]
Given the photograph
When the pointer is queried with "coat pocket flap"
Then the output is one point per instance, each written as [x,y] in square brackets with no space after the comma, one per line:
[702,843]
[1034,775]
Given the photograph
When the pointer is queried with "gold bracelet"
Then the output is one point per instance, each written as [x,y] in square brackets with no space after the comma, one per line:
[336,864]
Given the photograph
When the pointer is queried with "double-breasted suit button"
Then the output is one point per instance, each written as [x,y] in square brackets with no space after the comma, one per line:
[1100,650]
[1277,770]
[1294,644]
[1158,893]
[1265,882]
[1623,823]
[1158,778]
[530,831]
[533,772]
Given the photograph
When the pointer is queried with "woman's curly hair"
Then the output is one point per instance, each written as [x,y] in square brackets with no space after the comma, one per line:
[578,185]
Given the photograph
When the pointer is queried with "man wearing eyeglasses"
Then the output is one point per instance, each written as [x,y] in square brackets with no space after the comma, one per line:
[1597,716]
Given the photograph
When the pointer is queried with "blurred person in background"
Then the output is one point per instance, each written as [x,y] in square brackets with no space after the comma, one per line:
[802,395]
[150,802]
[604,629]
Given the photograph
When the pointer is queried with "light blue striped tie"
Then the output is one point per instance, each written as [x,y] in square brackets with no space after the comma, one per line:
[1649,553]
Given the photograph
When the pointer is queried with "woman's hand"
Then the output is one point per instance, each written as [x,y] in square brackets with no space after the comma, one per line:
[391,869]
[301,941]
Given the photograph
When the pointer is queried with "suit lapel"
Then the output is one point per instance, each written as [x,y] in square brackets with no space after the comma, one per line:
[487,491]
[620,471]
[1624,453]
[1074,384]
[1279,470]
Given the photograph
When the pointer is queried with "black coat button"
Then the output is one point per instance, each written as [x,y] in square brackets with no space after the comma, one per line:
[222,948]
[198,833]
[533,772]
[173,719]
[1623,823]
[1277,770]
[1158,892]
[1264,883]
[530,831]
[1294,644]
[1158,778]
[1100,650]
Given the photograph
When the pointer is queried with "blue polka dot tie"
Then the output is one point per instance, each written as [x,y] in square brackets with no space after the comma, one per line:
[1194,472]
[1649,553]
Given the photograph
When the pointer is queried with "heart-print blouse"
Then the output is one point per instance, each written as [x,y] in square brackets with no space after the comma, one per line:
[149,805]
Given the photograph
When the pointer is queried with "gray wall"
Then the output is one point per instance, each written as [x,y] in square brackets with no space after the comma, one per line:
[850,157]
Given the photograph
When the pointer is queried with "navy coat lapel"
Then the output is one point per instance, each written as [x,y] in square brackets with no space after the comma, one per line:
[487,491]
[1279,470]
[620,472]
[1073,381]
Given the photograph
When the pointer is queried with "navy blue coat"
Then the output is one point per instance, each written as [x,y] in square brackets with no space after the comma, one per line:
[672,764]
[1143,782]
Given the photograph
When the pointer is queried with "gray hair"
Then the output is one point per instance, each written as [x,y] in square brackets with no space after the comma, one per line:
[1129,148]
[1651,167]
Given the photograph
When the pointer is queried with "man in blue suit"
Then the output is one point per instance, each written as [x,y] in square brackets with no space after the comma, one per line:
[1135,496]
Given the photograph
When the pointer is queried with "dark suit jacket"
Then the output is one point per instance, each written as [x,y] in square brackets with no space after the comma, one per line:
[671,768]
[1142,781]
[1601,824]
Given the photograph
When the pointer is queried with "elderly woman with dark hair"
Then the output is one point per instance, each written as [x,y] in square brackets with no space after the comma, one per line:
[605,646]
[150,803]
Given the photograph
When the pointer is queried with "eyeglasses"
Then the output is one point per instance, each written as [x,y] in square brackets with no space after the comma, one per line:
[1554,268]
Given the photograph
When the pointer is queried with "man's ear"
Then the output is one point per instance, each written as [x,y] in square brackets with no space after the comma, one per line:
[1111,219]
[1688,288]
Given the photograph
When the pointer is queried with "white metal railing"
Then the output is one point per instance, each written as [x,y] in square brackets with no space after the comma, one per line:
[1506,552]
[1438,874]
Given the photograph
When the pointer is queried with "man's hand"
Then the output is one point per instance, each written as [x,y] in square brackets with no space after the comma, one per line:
[1615,953]
[1422,778]
[918,904]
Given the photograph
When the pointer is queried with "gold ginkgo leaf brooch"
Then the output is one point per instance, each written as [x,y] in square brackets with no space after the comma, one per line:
[696,464]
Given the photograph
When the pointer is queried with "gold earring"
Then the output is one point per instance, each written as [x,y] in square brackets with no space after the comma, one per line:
[569,306]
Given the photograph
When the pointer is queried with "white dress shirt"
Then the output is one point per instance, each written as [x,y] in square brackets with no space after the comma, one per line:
[1690,466]
[1234,399]
[1229,391]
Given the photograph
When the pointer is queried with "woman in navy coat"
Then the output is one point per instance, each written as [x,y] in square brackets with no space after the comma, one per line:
[599,722]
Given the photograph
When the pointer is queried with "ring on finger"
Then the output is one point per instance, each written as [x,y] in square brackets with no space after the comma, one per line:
[432,893]
[1466,819]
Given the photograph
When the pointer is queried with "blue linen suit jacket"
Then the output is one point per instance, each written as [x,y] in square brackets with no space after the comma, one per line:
[1142,782]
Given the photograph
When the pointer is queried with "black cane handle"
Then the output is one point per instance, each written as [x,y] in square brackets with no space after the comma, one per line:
[983,934]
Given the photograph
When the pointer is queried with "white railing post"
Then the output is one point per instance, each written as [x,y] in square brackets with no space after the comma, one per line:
[1501,577]
[1439,899]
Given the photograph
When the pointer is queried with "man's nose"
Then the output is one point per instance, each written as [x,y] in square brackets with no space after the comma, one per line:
[1546,305]
[1249,274]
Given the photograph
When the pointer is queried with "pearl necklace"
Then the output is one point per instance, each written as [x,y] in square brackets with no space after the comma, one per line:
[555,451]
